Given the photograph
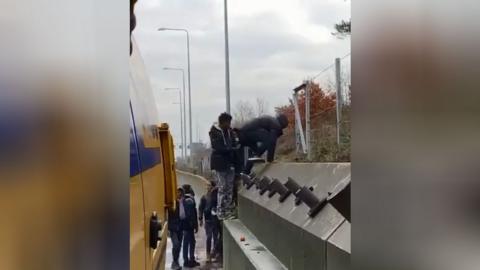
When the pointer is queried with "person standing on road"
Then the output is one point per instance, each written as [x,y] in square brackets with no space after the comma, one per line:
[175,230]
[222,162]
[188,217]
[207,209]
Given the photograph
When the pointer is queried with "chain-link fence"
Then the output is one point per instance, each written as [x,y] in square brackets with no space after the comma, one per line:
[322,116]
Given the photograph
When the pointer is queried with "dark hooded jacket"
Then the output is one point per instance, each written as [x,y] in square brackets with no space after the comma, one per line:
[224,144]
[190,222]
[174,223]
[269,123]
[208,202]
[261,134]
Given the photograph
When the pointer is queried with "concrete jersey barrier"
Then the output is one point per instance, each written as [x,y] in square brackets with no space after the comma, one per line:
[298,240]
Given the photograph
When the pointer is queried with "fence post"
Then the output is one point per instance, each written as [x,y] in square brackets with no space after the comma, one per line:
[298,120]
[338,98]
[307,121]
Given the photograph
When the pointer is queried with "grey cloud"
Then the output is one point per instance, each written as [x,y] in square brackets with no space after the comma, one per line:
[266,59]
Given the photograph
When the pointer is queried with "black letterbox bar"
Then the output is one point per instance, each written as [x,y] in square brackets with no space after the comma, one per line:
[309,198]
[277,187]
[292,185]
[264,185]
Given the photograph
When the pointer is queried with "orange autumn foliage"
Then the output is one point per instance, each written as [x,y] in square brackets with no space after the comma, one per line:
[321,105]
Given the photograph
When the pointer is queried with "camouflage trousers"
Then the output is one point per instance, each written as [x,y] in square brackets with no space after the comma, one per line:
[225,203]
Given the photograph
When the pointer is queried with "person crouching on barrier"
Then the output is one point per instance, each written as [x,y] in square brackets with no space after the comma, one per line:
[260,135]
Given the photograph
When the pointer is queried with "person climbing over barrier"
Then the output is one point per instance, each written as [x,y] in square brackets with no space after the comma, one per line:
[260,135]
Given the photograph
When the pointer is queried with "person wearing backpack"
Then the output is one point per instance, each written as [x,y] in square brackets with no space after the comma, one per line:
[189,224]
[208,212]
[175,230]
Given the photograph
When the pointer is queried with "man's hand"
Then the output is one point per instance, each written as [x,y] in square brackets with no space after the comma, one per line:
[201,222]
[195,230]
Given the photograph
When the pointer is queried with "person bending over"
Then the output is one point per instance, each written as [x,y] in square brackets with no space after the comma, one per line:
[260,135]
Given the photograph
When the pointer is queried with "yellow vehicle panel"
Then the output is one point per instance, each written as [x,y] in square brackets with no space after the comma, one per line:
[137,225]
[152,173]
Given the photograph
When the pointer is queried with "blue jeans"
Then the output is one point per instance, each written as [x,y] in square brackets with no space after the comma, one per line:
[188,245]
[176,237]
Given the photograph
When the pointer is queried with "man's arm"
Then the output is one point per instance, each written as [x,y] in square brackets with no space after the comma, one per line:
[195,224]
[201,208]
[191,213]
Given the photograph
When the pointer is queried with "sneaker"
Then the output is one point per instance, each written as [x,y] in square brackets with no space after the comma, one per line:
[188,264]
[194,263]
[175,266]
[230,217]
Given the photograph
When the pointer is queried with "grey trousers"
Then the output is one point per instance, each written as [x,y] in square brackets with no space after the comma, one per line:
[225,182]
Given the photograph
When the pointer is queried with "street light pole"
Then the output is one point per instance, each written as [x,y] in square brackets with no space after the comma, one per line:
[181,115]
[189,81]
[189,96]
[227,63]
[184,148]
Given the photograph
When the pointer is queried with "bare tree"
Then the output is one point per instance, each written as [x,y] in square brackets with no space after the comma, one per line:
[242,112]
[261,107]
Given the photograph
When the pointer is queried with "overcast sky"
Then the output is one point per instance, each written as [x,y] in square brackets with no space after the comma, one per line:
[274,45]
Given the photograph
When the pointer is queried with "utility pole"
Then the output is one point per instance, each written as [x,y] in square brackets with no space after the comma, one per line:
[189,95]
[189,81]
[339,97]
[181,116]
[184,139]
[227,63]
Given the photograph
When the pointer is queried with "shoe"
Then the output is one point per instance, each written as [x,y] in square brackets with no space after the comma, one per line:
[194,263]
[209,258]
[175,266]
[218,257]
[188,264]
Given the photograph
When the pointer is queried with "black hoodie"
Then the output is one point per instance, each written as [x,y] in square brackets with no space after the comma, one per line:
[264,130]
[224,144]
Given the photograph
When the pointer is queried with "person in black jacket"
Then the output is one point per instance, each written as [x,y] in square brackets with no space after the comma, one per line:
[207,209]
[260,134]
[189,224]
[175,230]
[223,160]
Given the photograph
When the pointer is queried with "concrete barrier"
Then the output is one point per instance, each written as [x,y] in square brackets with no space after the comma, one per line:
[198,183]
[298,240]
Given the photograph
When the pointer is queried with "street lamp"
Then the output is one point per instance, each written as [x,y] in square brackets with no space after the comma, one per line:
[188,71]
[184,139]
[181,115]
[227,64]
